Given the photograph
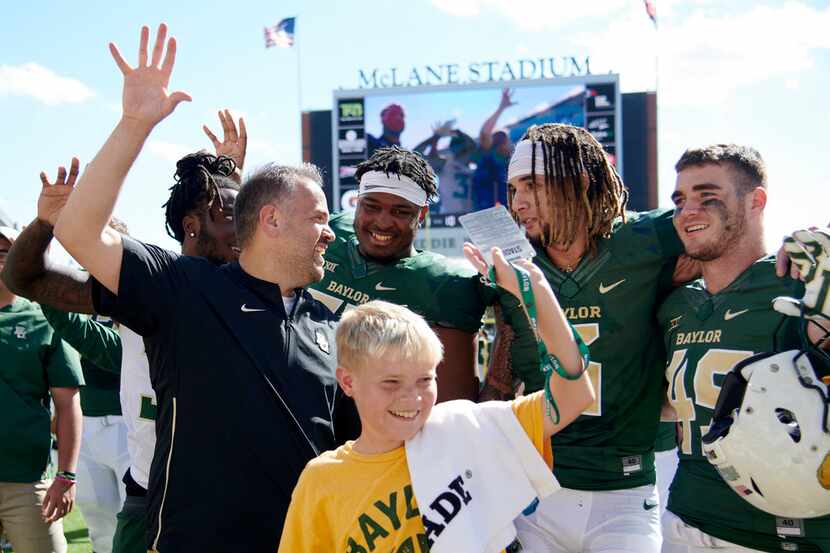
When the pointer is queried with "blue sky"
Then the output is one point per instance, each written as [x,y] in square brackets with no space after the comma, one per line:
[754,72]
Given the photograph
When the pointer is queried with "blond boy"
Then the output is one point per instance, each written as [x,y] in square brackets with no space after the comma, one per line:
[359,497]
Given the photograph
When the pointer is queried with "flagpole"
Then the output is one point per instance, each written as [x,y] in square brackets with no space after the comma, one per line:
[299,87]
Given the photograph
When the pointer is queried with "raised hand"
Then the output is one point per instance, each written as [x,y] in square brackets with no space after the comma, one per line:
[443,128]
[809,254]
[506,99]
[234,144]
[505,272]
[53,196]
[145,99]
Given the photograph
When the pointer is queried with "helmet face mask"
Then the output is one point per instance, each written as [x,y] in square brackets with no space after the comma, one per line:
[769,436]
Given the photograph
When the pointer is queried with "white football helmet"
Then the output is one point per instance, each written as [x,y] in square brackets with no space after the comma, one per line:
[769,437]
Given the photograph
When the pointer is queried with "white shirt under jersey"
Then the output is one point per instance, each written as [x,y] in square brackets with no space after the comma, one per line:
[136,391]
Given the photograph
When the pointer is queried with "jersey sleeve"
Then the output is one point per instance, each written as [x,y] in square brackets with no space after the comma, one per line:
[95,342]
[670,244]
[63,365]
[530,410]
[460,302]
[306,526]
[147,288]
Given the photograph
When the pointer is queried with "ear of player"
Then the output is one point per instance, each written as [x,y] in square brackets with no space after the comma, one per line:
[809,252]
[769,435]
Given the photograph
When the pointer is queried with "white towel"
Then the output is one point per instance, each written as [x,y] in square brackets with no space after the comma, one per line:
[473,471]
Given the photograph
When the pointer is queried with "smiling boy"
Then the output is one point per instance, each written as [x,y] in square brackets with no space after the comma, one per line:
[363,496]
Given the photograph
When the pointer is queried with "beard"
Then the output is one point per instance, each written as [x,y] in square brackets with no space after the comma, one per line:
[208,247]
[733,228]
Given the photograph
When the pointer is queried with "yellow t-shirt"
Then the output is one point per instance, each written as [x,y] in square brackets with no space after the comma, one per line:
[348,502]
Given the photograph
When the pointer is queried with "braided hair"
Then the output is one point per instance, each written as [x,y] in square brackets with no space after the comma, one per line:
[400,161]
[583,187]
[199,177]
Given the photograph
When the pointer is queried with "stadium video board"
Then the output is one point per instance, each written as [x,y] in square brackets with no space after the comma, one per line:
[446,124]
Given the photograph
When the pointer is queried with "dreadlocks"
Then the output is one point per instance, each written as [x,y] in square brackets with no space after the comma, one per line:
[399,161]
[198,178]
[583,187]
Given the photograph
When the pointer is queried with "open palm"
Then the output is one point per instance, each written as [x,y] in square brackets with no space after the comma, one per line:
[145,98]
[54,196]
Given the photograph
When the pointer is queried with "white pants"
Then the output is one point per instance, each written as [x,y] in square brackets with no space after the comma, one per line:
[575,521]
[102,462]
[679,537]
[666,464]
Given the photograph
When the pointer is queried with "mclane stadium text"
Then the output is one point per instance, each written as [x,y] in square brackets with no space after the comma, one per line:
[475,72]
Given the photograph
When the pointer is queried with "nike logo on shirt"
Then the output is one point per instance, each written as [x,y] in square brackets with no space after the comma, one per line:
[246,309]
[381,288]
[728,316]
[605,289]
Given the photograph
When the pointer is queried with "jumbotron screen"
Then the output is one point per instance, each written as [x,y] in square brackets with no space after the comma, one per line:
[466,133]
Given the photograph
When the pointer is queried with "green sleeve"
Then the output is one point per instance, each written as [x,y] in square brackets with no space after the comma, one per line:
[670,244]
[63,365]
[460,302]
[97,343]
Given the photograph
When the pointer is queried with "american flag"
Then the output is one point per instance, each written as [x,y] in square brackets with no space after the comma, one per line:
[651,10]
[281,34]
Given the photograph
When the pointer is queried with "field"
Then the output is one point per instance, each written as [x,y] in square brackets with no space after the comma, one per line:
[74,528]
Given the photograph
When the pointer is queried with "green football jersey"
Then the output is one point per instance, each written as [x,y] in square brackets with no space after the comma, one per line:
[611,299]
[705,336]
[444,291]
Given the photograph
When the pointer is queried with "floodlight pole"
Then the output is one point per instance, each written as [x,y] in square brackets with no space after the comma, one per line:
[299,86]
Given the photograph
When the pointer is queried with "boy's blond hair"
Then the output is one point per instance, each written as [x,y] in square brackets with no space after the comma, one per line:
[381,329]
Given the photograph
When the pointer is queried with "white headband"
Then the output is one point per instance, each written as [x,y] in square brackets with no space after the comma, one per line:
[521,162]
[398,185]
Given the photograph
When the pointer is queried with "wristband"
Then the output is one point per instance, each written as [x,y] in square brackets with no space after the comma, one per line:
[66,475]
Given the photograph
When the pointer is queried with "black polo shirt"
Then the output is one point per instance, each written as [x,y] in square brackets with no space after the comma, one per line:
[246,396]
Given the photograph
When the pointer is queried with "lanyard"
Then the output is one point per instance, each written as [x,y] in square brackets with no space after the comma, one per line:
[548,363]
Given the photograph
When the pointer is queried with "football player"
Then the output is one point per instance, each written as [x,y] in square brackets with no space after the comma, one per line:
[710,325]
[609,270]
[374,257]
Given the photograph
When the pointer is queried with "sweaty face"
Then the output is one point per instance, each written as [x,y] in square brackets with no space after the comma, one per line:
[522,192]
[385,225]
[305,232]
[394,399]
[217,238]
[709,217]
[523,204]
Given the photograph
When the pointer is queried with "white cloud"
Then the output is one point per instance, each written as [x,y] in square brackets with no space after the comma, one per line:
[42,84]
[707,54]
[169,151]
[535,15]
[459,8]
[707,49]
